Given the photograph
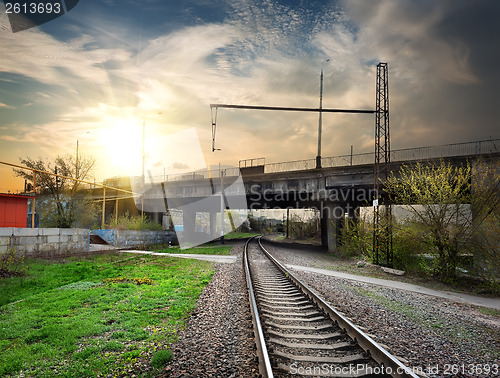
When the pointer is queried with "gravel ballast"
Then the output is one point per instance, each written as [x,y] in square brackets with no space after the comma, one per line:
[439,337]
[218,338]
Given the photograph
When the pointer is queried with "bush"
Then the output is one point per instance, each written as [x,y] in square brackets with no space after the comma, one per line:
[357,239]
[409,247]
[302,230]
[12,263]
[127,222]
[411,251]
[161,358]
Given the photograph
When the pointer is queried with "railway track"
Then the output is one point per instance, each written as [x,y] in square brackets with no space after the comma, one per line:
[298,333]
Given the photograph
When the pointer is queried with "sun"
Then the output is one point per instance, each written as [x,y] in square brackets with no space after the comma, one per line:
[122,144]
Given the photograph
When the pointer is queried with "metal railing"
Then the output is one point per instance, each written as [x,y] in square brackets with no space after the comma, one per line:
[406,154]
[248,163]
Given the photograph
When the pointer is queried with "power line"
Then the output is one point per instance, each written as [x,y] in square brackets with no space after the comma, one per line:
[293,109]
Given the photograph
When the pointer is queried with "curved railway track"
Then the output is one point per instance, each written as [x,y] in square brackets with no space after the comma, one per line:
[298,333]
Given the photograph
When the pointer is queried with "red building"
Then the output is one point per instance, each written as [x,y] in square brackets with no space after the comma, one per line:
[14,210]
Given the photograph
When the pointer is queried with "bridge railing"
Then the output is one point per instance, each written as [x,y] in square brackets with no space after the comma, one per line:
[447,150]
[198,175]
[406,154]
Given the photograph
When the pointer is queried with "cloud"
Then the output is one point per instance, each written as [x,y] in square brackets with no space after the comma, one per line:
[5,106]
[180,166]
[9,138]
[443,76]
[441,73]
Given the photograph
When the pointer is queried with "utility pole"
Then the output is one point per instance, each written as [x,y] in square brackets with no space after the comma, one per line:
[382,221]
[221,205]
[34,201]
[76,163]
[143,150]
[143,164]
[320,123]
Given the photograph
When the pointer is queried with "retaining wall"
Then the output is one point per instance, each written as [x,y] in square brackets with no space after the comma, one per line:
[131,238]
[55,242]
[45,242]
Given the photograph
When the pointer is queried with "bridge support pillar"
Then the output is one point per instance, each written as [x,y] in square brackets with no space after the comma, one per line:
[213,224]
[189,221]
[331,223]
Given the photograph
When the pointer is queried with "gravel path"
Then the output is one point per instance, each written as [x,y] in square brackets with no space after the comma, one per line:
[218,338]
[443,338]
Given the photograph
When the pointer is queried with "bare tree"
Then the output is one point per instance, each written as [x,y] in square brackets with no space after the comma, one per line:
[64,189]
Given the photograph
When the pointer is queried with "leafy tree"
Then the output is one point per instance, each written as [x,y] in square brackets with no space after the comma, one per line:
[437,197]
[485,235]
[66,203]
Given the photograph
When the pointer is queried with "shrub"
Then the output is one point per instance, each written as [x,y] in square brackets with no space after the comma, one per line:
[12,263]
[411,250]
[356,238]
[127,222]
[302,229]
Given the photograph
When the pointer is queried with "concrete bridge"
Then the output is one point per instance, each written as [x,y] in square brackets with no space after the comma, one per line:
[340,187]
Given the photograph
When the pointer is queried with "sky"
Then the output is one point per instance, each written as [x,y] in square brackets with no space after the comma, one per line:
[97,74]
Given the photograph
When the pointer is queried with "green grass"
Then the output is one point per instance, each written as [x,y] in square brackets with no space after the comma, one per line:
[64,318]
[240,235]
[398,307]
[161,358]
[489,311]
[204,250]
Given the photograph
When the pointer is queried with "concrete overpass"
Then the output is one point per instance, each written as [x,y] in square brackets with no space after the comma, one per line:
[343,185]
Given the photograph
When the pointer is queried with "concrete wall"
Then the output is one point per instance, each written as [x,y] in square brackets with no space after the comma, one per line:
[55,242]
[45,242]
[131,238]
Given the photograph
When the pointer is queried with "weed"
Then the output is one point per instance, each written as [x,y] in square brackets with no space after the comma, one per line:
[12,263]
[161,358]
[137,281]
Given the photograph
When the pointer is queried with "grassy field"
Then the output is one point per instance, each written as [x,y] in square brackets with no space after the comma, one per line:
[203,250]
[210,248]
[104,315]
[239,235]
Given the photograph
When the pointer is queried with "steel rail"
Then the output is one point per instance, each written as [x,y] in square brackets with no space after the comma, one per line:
[265,368]
[392,365]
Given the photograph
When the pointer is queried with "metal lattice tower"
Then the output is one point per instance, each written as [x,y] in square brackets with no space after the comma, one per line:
[382,217]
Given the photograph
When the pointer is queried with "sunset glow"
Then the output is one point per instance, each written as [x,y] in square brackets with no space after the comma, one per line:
[96,74]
